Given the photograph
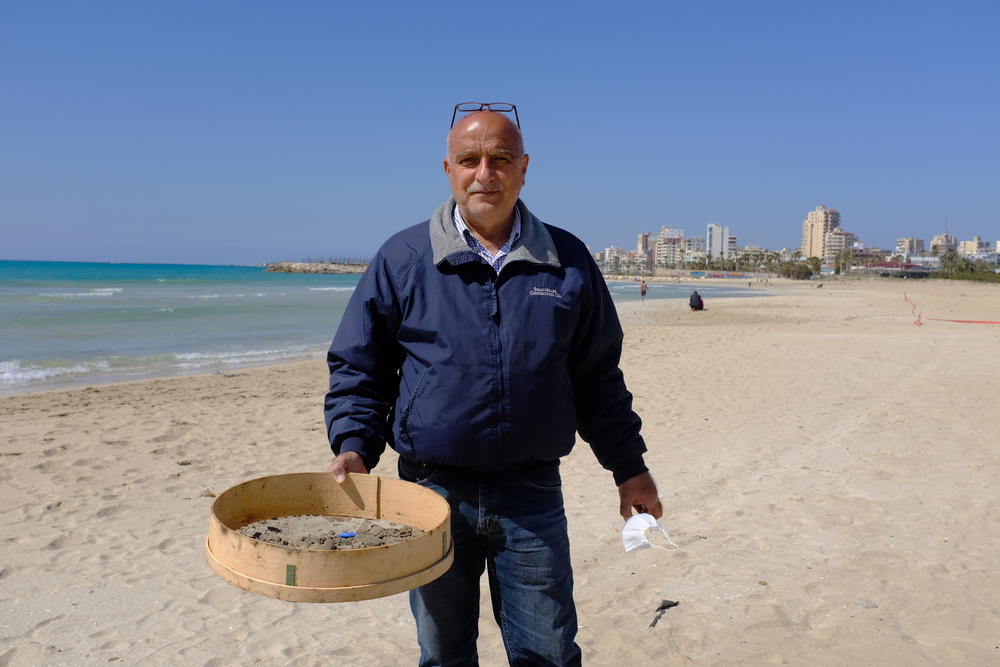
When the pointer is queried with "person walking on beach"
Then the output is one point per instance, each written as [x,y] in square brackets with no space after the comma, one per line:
[477,344]
[695,301]
[642,291]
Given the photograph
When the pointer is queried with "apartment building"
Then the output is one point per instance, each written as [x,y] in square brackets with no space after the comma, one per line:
[643,245]
[818,223]
[836,242]
[669,251]
[694,245]
[909,247]
[974,247]
[942,243]
[717,241]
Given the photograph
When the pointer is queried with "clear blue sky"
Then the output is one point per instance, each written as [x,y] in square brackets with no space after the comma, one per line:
[242,132]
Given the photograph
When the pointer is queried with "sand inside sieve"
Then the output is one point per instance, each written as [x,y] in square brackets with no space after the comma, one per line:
[324,532]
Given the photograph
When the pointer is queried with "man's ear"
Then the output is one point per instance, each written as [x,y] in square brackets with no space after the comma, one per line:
[446,169]
[524,167]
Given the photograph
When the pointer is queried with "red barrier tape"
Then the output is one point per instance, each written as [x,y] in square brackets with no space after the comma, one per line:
[913,311]
[919,323]
[963,321]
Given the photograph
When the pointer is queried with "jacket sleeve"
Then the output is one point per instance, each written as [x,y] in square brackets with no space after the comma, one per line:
[605,418]
[364,361]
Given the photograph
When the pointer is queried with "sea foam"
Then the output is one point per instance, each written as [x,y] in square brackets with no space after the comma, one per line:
[98,291]
[13,373]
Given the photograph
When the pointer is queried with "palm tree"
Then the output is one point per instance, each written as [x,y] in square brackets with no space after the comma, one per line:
[845,259]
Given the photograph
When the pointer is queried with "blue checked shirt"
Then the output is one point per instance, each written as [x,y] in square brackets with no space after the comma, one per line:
[496,261]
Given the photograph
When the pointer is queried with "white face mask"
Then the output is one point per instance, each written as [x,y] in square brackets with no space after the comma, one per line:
[634,533]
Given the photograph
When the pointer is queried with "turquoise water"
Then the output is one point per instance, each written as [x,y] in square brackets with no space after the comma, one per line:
[66,323]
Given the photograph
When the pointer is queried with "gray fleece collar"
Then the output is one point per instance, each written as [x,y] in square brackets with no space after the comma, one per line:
[535,244]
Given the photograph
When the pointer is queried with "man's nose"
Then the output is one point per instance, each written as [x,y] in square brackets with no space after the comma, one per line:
[483,170]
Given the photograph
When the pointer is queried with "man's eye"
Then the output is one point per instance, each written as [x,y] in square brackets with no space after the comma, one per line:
[468,162]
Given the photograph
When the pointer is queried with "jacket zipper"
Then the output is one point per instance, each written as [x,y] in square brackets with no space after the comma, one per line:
[499,363]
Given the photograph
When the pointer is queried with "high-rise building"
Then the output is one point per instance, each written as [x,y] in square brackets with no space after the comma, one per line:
[836,242]
[645,252]
[908,247]
[693,249]
[973,247]
[942,243]
[669,251]
[643,245]
[666,248]
[695,244]
[717,241]
[817,224]
[615,260]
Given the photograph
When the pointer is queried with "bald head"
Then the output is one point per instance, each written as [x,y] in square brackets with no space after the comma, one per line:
[486,164]
[489,122]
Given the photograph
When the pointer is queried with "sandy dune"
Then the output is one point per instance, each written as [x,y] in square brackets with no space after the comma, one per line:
[826,467]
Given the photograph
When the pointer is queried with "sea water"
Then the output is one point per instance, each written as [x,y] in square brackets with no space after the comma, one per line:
[65,322]
[69,323]
[624,291]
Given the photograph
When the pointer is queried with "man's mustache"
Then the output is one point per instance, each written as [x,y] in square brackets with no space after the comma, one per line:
[483,187]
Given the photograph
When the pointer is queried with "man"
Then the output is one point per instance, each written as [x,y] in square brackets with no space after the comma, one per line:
[476,344]
[695,301]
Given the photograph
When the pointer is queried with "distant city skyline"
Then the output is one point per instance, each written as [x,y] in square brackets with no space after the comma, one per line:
[240,134]
[822,237]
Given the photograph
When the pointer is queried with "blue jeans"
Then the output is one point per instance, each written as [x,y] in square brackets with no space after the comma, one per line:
[513,525]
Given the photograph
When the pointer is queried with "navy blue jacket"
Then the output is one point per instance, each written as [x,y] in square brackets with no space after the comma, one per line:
[453,364]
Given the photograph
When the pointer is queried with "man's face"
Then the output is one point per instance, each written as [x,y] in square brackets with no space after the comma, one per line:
[485,166]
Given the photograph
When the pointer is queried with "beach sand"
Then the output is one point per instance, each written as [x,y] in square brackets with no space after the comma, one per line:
[826,467]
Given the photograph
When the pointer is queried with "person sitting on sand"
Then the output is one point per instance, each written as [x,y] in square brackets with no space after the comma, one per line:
[695,301]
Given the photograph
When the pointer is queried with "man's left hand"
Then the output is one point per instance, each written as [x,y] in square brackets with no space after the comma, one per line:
[640,493]
[347,462]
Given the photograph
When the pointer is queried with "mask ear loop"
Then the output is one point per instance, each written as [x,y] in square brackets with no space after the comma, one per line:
[670,541]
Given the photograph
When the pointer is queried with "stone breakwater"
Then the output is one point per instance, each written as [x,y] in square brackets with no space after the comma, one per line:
[315,267]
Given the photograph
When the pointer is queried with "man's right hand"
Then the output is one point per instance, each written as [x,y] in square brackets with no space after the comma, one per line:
[640,493]
[347,462]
